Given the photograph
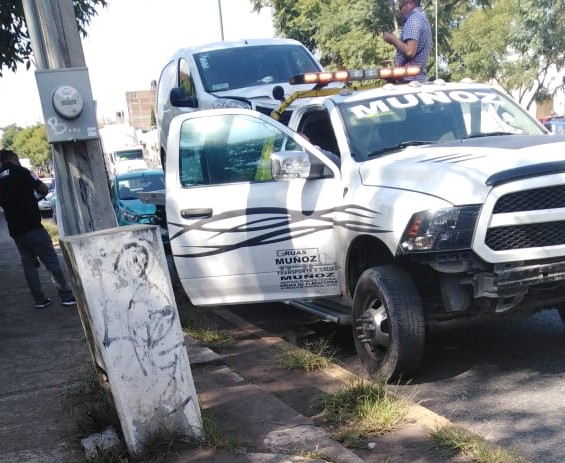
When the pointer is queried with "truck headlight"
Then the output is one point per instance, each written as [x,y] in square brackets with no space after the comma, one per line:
[440,230]
[223,103]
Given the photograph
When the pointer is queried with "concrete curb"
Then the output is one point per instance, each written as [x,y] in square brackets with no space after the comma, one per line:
[416,412]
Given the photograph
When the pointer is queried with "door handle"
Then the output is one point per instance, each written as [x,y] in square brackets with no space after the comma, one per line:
[202,213]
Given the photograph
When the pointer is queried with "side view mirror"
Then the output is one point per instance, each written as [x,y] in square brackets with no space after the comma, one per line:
[290,164]
[180,100]
[286,165]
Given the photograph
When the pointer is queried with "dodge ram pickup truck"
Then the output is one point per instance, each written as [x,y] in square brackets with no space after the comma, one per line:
[399,209]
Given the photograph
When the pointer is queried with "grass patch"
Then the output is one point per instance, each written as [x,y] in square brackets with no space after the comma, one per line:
[93,411]
[454,440]
[364,409]
[91,404]
[52,230]
[315,355]
[315,455]
[201,331]
[214,436]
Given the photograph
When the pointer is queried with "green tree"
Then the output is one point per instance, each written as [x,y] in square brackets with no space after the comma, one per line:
[539,42]
[15,46]
[516,43]
[8,136]
[349,33]
[29,142]
[481,44]
[341,33]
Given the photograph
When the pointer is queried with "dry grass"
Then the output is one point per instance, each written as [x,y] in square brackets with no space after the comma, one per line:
[316,355]
[364,409]
[450,441]
[51,228]
[200,331]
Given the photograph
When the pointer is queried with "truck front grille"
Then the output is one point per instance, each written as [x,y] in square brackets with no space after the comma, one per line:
[526,236]
[530,200]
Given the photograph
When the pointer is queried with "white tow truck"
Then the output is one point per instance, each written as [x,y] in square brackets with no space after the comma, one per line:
[446,207]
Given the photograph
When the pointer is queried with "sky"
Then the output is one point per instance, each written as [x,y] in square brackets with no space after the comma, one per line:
[128,43]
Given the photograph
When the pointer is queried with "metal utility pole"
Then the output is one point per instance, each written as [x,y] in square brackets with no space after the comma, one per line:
[436,50]
[221,19]
[82,182]
[157,392]
[83,197]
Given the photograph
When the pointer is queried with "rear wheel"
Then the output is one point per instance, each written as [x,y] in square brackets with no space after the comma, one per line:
[388,323]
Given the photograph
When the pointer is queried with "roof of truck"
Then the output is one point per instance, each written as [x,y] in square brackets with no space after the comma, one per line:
[357,91]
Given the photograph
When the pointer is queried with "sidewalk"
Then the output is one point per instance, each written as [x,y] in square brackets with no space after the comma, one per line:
[268,410]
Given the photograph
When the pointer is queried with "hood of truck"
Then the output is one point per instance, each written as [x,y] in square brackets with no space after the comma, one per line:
[463,171]
[261,92]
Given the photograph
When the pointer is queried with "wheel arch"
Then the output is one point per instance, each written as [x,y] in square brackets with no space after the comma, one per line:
[364,252]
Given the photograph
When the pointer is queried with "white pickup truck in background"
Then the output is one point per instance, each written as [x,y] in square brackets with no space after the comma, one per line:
[252,74]
[446,207]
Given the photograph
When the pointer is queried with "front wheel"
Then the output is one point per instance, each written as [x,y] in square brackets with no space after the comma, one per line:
[388,323]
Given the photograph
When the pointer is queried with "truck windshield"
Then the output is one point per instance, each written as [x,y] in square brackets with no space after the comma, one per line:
[128,155]
[248,66]
[384,124]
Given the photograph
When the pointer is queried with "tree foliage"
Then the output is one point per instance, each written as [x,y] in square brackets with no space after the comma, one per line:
[30,142]
[516,43]
[15,45]
[349,33]
[341,33]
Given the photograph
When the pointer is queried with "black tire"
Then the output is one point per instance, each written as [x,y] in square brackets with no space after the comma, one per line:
[388,323]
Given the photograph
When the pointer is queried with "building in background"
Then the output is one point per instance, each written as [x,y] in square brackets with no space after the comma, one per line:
[141,108]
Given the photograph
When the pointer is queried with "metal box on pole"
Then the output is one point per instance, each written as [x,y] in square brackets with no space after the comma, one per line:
[66,100]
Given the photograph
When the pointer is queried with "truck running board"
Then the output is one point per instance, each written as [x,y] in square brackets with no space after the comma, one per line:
[326,310]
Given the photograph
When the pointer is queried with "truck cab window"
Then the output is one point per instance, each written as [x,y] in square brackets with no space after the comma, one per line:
[228,148]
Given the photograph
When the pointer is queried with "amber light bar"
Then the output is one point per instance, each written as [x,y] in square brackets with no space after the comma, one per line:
[323,78]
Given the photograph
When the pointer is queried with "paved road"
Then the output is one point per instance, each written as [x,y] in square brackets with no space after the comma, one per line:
[504,380]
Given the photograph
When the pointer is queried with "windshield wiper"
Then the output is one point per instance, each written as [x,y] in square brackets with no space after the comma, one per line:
[399,146]
[489,134]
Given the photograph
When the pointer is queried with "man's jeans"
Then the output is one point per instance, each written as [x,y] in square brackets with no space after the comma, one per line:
[36,244]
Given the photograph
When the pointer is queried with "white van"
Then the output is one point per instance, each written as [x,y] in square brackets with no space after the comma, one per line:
[128,159]
[252,73]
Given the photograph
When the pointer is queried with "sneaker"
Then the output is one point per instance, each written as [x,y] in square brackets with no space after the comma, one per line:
[69,301]
[45,303]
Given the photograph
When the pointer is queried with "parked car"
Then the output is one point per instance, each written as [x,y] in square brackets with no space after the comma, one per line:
[45,204]
[127,205]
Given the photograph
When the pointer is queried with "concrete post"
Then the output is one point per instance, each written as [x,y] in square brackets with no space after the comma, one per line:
[122,277]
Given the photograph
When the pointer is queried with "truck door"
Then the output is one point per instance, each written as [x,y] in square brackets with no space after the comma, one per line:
[238,235]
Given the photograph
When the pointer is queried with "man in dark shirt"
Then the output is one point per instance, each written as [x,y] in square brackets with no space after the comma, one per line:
[19,192]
